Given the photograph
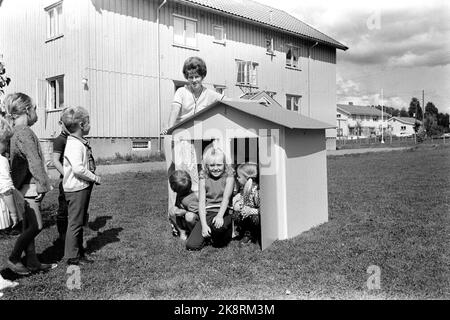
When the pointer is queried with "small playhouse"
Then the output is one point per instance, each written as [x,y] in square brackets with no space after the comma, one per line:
[290,150]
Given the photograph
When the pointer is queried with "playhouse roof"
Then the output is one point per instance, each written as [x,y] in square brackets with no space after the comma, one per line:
[281,116]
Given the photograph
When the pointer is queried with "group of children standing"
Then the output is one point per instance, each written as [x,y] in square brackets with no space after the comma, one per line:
[227,204]
[24,182]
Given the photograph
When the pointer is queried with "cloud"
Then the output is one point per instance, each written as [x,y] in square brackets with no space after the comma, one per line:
[346,87]
[401,38]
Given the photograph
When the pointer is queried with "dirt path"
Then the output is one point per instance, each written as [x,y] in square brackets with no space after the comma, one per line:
[363,150]
[123,167]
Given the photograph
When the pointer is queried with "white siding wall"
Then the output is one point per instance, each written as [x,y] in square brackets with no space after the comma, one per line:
[112,43]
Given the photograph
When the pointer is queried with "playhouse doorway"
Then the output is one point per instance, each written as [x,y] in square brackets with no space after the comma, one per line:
[244,150]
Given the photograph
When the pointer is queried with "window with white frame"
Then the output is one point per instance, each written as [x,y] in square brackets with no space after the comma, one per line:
[247,73]
[219,34]
[292,57]
[403,128]
[269,45]
[141,144]
[55,93]
[185,31]
[293,102]
[54,20]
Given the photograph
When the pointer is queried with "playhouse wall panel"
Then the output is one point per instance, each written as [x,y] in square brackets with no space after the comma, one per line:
[306,183]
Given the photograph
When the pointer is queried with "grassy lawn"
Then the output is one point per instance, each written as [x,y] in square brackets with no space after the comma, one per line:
[386,209]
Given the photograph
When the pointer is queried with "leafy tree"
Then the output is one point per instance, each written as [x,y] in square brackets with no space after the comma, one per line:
[404,113]
[414,110]
[430,108]
[395,112]
[443,121]
[430,125]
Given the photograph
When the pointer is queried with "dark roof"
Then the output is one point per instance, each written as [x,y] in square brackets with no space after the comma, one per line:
[406,120]
[281,116]
[360,110]
[260,13]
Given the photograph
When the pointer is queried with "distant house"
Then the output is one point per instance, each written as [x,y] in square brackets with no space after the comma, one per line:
[122,60]
[359,121]
[401,126]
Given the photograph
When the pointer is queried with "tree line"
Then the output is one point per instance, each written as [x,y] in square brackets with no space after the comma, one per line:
[433,121]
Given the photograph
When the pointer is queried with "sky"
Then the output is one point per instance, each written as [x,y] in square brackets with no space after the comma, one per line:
[398,47]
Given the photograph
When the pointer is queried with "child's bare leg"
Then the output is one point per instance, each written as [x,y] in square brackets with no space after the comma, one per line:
[191,219]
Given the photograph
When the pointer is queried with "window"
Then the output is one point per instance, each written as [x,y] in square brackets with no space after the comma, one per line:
[247,73]
[375,119]
[220,89]
[184,32]
[293,102]
[55,93]
[141,145]
[54,14]
[403,128]
[338,115]
[219,34]
[292,57]
[269,46]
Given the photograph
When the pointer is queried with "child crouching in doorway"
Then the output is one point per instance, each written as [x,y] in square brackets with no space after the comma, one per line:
[184,215]
[246,203]
[79,179]
[216,185]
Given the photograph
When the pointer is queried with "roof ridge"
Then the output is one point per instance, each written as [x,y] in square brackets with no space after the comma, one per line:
[290,23]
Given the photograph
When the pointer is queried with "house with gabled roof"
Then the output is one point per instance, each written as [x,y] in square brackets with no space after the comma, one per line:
[359,121]
[122,60]
[402,126]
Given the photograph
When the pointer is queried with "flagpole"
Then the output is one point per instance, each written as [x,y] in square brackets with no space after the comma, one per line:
[382,118]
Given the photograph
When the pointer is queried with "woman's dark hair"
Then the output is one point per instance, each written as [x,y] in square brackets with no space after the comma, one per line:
[194,64]
[180,182]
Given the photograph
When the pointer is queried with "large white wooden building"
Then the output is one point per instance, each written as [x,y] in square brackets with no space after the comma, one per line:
[122,60]
[359,121]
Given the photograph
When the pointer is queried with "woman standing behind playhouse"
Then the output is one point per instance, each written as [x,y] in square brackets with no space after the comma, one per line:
[215,190]
[188,100]
[29,176]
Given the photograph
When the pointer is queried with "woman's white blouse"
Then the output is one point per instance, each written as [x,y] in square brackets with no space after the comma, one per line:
[190,105]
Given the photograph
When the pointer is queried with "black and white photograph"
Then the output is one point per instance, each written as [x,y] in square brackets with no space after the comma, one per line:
[222,155]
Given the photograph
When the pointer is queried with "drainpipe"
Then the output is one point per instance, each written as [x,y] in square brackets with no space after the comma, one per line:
[158,61]
[309,84]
